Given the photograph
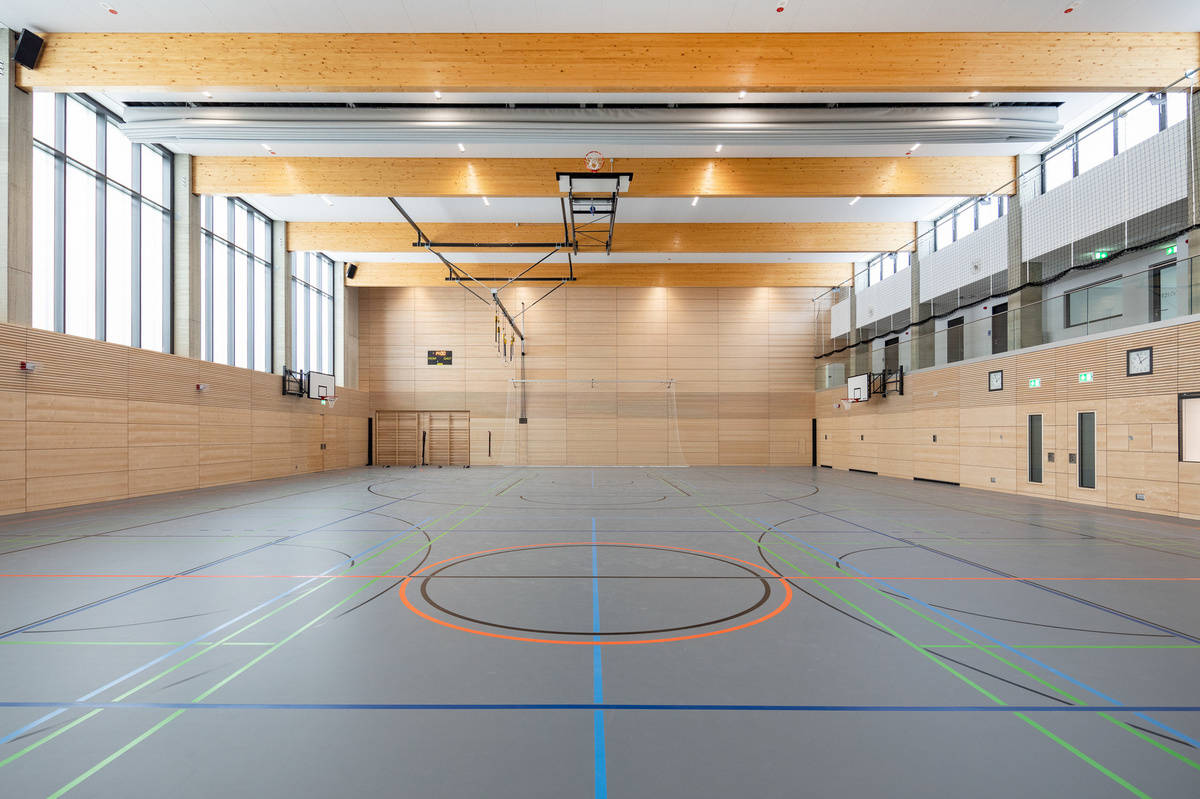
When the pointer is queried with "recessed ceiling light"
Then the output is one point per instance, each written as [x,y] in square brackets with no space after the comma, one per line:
[437,95]
[485,201]
[1072,7]
[742,94]
[719,146]
[267,147]
[108,8]
[694,201]
[915,147]
[328,201]
[461,148]
[856,199]
[974,94]
[207,94]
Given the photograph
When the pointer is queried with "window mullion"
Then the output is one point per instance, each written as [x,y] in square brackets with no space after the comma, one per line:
[59,287]
[135,249]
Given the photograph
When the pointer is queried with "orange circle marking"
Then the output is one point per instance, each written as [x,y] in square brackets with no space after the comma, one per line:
[787,599]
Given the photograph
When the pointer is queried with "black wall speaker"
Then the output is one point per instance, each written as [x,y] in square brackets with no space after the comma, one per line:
[29,49]
[351,271]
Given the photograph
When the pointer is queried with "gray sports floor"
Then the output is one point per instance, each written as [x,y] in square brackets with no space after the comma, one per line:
[627,632]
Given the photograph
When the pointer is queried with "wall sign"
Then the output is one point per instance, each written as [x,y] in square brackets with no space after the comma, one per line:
[1035,382]
[441,357]
[1086,377]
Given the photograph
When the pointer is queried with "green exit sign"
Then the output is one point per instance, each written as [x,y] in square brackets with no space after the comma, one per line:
[1035,382]
[1085,377]
[1174,248]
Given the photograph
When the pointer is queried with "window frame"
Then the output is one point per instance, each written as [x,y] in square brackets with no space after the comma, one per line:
[139,201]
[1193,396]
[1089,320]
[230,250]
[307,291]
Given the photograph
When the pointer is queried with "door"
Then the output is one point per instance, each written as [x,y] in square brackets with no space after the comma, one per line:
[891,355]
[1035,448]
[1087,449]
[954,340]
[999,328]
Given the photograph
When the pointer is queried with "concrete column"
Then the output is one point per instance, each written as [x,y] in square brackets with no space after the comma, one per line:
[921,340]
[1025,311]
[187,288]
[860,354]
[16,193]
[281,299]
[345,329]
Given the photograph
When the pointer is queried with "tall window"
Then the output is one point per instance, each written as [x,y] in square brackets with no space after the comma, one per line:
[312,312]
[101,226]
[1132,122]
[236,323]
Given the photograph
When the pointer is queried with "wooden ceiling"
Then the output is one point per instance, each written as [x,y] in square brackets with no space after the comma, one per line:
[639,62]
[369,237]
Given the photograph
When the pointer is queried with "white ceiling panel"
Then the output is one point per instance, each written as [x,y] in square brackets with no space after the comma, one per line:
[528,257]
[309,208]
[585,16]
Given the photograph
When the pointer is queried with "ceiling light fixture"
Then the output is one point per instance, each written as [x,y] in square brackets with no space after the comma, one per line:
[328,201]
[267,147]
[1072,7]
[207,94]
[915,147]
[974,94]
[695,200]
[856,199]
[719,146]
[485,202]
[437,95]
[461,148]
[108,8]
[742,94]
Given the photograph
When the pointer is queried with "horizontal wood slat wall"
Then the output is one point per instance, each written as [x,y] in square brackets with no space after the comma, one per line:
[741,358]
[618,274]
[981,435]
[949,176]
[628,237]
[614,62]
[98,421]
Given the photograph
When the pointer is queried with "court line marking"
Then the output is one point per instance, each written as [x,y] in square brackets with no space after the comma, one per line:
[237,672]
[403,593]
[395,540]
[845,577]
[1001,644]
[600,707]
[599,750]
[1124,783]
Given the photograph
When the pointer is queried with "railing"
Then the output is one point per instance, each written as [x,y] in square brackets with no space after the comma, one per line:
[1161,292]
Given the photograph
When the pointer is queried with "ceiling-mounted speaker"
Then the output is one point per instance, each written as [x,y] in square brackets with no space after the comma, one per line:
[351,271]
[29,49]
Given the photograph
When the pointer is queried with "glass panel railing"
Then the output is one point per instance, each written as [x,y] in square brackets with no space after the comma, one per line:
[1158,294]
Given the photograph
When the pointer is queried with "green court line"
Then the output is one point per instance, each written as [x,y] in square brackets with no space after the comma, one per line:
[1068,646]
[931,657]
[973,644]
[79,779]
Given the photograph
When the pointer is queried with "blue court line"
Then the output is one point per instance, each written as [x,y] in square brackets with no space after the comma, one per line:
[206,635]
[1118,705]
[599,754]
[599,707]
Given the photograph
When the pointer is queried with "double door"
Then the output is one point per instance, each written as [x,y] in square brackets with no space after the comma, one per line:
[423,438]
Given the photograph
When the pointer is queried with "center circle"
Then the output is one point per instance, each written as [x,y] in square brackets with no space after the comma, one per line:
[433,575]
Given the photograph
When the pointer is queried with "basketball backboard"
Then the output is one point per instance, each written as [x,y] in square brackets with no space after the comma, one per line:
[859,387]
[320,385]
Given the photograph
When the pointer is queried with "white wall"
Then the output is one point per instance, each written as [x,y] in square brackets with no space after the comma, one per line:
[975,256]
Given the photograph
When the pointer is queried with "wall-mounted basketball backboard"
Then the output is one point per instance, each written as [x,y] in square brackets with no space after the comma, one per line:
[858,388]
[320,385]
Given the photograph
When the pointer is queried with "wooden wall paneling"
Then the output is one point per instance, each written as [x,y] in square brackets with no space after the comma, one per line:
[946,176]
[460,438]
[693,350]
[615,62]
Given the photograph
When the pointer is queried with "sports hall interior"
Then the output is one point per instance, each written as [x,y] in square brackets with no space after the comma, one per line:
[600,399]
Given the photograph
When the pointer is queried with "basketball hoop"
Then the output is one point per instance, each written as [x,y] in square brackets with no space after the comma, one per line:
[594,161]
[845,403]
[329,400]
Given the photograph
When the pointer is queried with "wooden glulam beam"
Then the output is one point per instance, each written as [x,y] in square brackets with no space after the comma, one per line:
[619,274]
[951,176]
[624,62]
[628,237]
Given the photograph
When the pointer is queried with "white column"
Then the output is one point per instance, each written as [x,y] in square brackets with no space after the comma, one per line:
[281,299]
[187,289]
